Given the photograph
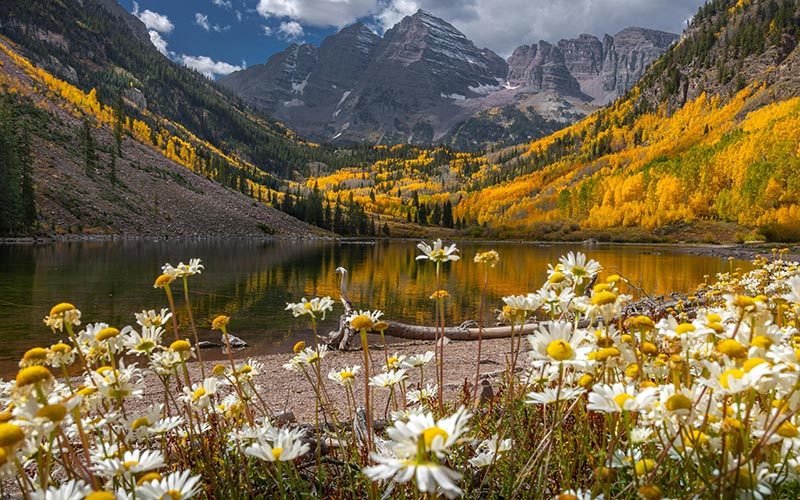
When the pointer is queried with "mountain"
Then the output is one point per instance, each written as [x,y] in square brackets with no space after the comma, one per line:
[425,82]
[102,134]
[705,146]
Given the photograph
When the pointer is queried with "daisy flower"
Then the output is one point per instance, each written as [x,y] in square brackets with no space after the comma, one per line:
[180,485]
[182,270]
[346,376]
[576,266]
[618,397]
[418,360]
[388,379]
[284,446]
[149,318]
[311,307]
[489,451]
[144,342]
[429,477]
[438,252]
[74,489]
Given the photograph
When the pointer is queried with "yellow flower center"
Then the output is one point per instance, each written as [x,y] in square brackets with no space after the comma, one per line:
[345,375]
[650,492]
[714,318]
[380,326]
[560,350]
[130,463]
[567,496]
[150,476]
[219,370]
[221,321]
[605,354]
[61,308]
[644,466]
[145,346]
[718,328]
[199,393]
[762,341]
[649,349]
[586,380]
[298,347]
[733,372]
[53,413]
[787,430]
[752,363]
[685,328]
[632,370]
[621,398]
[174,494]
[140,422]
[36,354]
[640,323]
[100,495]
[61,348]
[361,322]
[10,434]
[732,348]
[695,438]
[556,277]
[430,434]
[604,298]
[276,453]
[602,287]
[106,333]
[3,457]
[744,302]
[163,280]
[313,358]
[32,375]
[180,346]
[678,402]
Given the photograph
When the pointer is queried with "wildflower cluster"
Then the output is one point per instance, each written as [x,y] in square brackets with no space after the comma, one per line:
[698,401]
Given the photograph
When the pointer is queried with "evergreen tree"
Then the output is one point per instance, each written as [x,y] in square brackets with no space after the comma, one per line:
[447,214]
[89,148]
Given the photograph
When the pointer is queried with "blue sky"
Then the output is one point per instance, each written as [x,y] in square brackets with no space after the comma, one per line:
[217,37]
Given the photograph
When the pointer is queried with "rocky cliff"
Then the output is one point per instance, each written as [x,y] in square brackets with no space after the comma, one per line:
[424,81]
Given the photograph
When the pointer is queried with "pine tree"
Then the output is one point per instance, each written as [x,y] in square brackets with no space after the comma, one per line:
[89,148]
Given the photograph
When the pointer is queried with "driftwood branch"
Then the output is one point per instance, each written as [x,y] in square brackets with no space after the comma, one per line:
[419,332]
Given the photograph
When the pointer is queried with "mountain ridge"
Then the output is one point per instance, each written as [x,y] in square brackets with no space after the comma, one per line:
[423,81]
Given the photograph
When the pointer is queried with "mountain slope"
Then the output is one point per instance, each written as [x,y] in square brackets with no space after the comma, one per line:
[425,82]
[712,133]
[113,165]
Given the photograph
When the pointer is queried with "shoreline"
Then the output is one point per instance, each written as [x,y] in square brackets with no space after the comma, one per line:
[742,251]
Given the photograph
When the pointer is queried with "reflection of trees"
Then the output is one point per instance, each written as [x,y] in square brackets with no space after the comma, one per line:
[252,280]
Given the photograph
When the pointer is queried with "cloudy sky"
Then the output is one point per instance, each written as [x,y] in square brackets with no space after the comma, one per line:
[217,37]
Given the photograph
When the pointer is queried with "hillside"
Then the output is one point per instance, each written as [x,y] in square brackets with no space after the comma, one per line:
[710,135]
[84,187]
[705,148]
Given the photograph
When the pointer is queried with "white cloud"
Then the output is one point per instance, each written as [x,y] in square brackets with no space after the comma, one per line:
[503,26]
[223,3]
[291,30]
[202,21]
[319,12]
[207,66]
[266,30]
[238,16]
[153,20]
[160,43]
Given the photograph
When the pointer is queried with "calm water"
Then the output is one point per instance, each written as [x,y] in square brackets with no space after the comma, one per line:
[252,281]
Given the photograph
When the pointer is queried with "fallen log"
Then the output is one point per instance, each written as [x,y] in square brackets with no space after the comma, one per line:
[420,332]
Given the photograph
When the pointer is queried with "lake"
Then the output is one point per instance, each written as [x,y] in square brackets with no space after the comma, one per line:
[253,280]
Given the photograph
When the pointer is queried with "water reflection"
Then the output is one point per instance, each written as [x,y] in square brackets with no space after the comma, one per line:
[253,280]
